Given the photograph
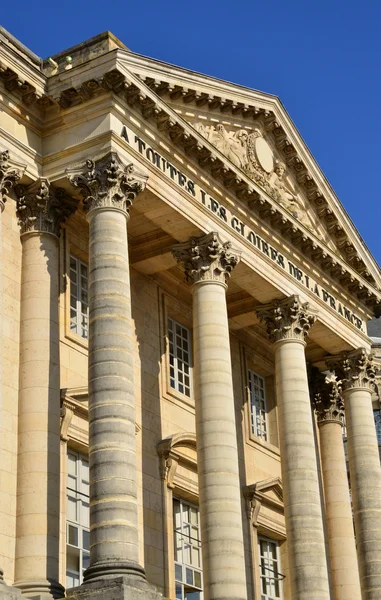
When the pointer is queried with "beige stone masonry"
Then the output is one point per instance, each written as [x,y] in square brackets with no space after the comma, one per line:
[329,407]
[288,322]
[356,372]
[108,188]
[208,263]
[10,173]
[41,209]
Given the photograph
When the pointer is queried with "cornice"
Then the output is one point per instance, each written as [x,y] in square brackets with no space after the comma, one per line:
[21,76]
[111,74]
[233,99]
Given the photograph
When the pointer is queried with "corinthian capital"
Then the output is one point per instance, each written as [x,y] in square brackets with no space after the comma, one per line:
[287,319]
[42,208]
[107,183]
[355,369]
[10,174]
[207,258]
[326,397]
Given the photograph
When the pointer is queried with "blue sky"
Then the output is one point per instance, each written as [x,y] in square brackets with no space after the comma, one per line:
[322,58]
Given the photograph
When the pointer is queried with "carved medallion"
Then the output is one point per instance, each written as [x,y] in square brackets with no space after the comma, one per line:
[264,154]
[250,151]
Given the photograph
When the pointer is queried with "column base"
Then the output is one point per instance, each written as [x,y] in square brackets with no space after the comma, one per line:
[42,589]
[111,570]
[119,588]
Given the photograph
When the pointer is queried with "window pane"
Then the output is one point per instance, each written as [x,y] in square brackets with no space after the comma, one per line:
[86,539]
[85,560]
[197,579]
[72,535]
[178,573]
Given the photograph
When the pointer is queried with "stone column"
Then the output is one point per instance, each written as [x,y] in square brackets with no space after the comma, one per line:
[40,209]
[357,374]
[288,322]
[208,264]
[329,407]
[9,176]
[108,189]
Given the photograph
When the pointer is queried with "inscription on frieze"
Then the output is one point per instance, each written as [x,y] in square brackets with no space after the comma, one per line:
[222,212]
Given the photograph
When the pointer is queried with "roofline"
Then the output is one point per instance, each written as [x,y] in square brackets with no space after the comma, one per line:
[20,46]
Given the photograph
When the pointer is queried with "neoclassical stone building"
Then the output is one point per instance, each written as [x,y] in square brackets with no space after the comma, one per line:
[187,383]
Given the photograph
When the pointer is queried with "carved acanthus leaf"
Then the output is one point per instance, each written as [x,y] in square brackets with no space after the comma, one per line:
[326,397]
[287,319]
[207,258]
[10,174]
[250,151]
[108,183]
[42,208]
[354,369]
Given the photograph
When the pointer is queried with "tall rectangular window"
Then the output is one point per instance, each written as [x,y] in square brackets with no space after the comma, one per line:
[79,311]
[77,518]
[269,569]
[258,405]
[179,357]
[188,567]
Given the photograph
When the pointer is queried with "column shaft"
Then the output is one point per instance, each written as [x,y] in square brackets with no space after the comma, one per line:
[217,454]
[38,485]
[112,447]
[341,540]
[10,174]
[365,477]
[302,502]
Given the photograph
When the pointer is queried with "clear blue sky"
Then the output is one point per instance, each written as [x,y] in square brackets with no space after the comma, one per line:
[321,57]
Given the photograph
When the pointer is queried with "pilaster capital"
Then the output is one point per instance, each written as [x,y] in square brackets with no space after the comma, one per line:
[287,319]
[326,397]
[41,208]
[10,173]
[107,183]
[207,258]
[354,369]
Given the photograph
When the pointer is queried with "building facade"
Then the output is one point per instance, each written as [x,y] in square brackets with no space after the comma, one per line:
[184,344]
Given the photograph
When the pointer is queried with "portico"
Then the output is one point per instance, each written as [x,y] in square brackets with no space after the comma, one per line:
[214,266]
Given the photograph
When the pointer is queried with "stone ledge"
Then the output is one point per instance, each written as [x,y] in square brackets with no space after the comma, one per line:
[120,588]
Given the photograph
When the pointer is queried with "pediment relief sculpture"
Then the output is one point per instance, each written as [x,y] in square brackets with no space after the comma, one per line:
[250,151]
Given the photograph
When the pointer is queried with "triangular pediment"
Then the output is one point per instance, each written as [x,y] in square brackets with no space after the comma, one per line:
[254,133]
[268,492]
[207,120]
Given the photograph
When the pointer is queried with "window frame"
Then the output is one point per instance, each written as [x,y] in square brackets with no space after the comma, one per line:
[268,540]
[251,374]
[184,565]
[78,330]
[175,389]
[77,493]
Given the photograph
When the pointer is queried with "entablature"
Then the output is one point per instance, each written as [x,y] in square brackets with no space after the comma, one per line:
[352,274]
